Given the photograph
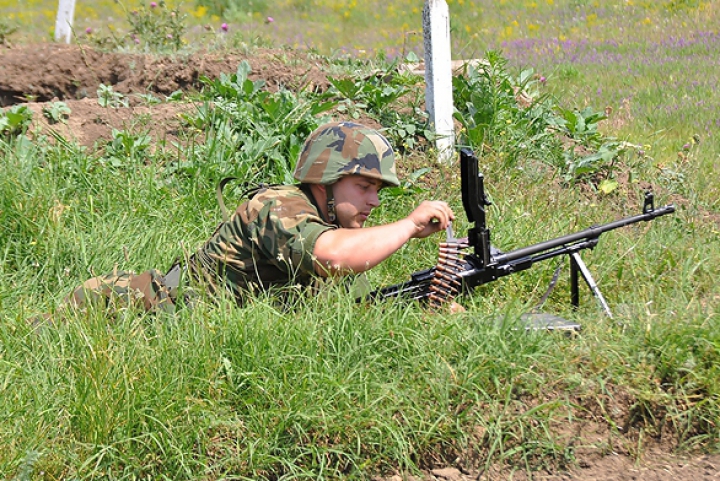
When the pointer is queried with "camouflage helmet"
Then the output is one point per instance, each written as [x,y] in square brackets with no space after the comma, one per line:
[338,149]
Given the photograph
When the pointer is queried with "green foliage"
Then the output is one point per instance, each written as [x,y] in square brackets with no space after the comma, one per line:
[107,97]
[408,186]
[505,113]
[152,28]
[588,152]
[378,96]
[509,117]
[254,134]
[157,28]
[373,94]
[15,121]
[126,149]
[150,99]
[323,387]
[56,112]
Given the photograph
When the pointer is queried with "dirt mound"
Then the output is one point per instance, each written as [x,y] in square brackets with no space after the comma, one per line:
[45,72]
[36,75]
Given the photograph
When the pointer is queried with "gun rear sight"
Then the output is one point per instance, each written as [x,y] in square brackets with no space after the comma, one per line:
[474,202]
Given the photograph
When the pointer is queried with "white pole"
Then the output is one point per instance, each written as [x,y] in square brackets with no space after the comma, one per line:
[438,75]
[64,20]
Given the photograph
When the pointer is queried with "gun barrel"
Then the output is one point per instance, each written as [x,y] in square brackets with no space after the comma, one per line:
[589,233]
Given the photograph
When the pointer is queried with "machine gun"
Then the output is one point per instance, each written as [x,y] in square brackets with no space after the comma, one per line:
[458,271]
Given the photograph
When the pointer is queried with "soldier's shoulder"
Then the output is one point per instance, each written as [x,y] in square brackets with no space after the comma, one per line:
[281,195]
[280,191]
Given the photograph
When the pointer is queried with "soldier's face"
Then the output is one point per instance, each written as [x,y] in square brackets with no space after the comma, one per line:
[355,197]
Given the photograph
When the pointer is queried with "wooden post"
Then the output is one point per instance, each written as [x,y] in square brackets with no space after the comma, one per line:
[438,76]
[64,20]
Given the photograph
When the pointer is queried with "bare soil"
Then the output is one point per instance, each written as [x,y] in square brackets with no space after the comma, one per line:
[35,75]
[38,75]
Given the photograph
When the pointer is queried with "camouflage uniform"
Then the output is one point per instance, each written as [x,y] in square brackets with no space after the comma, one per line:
[121,289]
[269,240]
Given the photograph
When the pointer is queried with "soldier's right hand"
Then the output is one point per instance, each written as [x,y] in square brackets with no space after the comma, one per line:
[431,216]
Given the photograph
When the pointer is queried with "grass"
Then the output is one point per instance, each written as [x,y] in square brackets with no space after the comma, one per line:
[325,388]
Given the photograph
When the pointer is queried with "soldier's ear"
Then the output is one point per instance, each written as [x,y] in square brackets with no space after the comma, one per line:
[319,191]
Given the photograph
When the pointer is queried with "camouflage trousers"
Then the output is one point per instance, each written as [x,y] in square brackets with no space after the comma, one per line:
[147,290]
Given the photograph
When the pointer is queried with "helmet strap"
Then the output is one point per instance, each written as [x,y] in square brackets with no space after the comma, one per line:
[332,215]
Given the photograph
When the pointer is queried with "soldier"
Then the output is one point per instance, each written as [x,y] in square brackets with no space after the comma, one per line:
[292,234]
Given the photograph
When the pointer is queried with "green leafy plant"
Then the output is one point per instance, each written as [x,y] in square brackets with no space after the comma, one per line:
[408,185]
[126,147]
[503,113]
[378,96]
[107,97]
[157,27]
[236,85]
[588,152]
[153,28]
[15,121]
[509,117]
[56,112]
[255,133]
[149,99]
[176,96]
[581,125]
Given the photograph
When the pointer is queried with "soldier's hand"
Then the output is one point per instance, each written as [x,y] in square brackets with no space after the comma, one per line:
[431,216]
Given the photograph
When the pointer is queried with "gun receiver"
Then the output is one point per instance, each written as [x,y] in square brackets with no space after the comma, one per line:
[486,263]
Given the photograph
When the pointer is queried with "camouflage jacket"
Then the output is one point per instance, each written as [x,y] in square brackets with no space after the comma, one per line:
[267,242]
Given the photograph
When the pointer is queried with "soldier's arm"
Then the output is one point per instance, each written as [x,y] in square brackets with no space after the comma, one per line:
[347,251]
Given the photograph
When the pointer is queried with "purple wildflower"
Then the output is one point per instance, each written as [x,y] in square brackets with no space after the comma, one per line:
[88,30]
[269,20]
[153,4]
[224,27]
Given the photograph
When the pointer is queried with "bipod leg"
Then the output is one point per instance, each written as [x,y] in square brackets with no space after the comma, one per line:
[578,266]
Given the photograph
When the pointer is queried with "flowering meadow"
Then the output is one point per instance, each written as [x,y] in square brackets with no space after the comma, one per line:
[655,57]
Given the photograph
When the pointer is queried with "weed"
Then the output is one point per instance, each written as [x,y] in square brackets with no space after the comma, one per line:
[125,149]
[108,98]
[378,96]
[327,388]
[159,28]
[588,153]
[15,121]
[503,113]
[259,133]
[56,112]
[150,99]
[152,28]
